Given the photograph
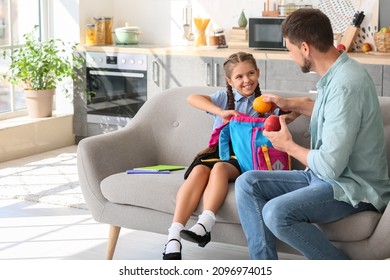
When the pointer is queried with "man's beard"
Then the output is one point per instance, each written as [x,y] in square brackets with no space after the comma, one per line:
[306,66]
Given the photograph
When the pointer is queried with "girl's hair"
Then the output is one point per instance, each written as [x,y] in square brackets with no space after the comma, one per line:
[228,67]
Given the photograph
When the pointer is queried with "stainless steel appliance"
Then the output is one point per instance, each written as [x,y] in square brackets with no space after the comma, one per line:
[265,33]
[119,84]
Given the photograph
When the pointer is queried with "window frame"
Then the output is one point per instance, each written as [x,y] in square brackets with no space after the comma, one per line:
[44,27]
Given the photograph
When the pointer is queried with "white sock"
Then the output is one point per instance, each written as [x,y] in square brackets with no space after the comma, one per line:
[174,233]
[207,219]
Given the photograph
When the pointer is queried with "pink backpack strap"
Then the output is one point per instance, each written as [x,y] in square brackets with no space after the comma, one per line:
[215,135]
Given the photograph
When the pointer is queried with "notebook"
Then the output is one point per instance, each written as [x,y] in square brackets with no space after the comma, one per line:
[161,167]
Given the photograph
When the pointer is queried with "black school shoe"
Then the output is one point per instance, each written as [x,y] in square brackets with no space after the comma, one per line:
[172,256]
[191,236]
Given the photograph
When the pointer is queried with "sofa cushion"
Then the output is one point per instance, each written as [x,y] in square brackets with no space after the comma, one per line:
[158,192]
[353,228]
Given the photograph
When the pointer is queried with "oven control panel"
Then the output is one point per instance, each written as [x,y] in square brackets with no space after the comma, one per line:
[122,61]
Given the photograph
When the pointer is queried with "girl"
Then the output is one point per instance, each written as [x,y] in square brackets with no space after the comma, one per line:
[207,176]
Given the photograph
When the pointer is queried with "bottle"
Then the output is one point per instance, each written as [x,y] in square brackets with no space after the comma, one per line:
[100,31]
[90,39]
[108,30]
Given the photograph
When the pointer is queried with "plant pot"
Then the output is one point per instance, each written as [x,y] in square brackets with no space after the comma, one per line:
[39,102]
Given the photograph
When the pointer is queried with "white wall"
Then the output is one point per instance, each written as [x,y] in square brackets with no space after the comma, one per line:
[161,20]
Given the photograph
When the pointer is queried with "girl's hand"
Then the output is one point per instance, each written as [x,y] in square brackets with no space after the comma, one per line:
[227,114]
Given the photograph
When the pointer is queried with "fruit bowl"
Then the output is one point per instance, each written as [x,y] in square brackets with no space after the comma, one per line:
[382,41]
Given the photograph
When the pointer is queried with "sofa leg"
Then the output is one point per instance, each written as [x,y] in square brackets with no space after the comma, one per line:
[112,239]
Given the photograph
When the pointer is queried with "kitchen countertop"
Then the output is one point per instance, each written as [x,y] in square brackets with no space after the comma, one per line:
[375,58]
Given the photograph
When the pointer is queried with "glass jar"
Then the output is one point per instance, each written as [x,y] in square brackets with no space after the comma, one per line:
[108,30]
[90,39]
[100,31]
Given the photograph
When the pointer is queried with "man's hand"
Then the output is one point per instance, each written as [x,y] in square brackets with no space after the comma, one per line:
[296,106]
[282,138]
[282,141]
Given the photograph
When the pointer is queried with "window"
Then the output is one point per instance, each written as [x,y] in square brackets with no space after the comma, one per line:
[17,17]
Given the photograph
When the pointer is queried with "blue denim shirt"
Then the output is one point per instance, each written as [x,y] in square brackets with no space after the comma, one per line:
[242,104]
[348,147]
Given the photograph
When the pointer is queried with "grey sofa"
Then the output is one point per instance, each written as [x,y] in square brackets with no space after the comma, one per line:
[169,131]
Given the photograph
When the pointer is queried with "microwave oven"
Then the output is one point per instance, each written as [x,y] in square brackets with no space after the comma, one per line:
[266,33]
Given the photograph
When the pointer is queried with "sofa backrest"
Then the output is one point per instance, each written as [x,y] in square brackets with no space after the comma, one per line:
[180,130]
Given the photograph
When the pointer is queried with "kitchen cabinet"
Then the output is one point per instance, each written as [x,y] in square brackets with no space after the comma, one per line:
[261,64]
[155,74]
[376,73]
[170,71]
[193,71]
[200,71]
[286,75]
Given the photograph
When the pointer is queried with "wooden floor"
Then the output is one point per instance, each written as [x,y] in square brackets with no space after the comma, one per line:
[31,230]
[38,231]
[34,231]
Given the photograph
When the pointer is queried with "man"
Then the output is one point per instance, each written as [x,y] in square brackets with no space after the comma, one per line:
[347,169]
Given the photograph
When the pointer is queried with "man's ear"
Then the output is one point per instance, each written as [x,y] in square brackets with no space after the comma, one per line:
[305,48]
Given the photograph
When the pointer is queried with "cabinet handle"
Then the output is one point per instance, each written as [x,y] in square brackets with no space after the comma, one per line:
[208,82]
[215,74]
[155,71]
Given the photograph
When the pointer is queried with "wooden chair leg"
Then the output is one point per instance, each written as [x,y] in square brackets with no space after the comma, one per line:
[112,240]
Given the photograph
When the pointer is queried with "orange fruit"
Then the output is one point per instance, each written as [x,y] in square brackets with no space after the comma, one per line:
[261,106]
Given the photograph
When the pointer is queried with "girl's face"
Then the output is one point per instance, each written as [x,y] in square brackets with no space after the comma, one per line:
[244,78]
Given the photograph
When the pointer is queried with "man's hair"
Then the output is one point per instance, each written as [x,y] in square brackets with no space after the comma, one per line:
[311,26]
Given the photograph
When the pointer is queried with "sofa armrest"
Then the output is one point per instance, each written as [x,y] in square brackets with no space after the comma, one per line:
[103,155]
[380,239]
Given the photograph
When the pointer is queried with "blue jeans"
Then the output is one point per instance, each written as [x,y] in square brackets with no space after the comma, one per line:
[285,204]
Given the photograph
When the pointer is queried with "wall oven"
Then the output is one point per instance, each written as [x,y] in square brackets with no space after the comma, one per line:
[118,82]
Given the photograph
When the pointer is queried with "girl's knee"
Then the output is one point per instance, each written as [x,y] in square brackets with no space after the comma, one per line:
[200,170]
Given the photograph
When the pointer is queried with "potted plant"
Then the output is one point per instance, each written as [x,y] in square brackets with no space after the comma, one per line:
[38,67]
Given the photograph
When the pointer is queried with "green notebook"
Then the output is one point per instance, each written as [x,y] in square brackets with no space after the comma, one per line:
[161,167]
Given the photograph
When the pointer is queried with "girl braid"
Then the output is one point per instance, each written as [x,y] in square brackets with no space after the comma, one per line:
[230,96]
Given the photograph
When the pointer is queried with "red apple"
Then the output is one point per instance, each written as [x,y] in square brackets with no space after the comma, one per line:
[366,47]
[272,123]
[341,47]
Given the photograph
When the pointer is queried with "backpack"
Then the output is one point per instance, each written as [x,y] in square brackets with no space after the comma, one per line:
[252,149]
